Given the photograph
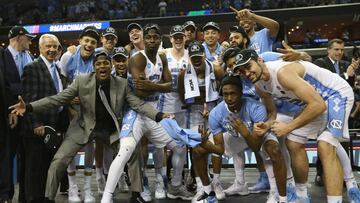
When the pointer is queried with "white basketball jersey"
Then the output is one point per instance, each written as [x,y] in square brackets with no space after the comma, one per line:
[153,72]
[326,83]
[171,101]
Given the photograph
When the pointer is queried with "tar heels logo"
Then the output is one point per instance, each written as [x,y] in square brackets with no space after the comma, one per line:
[337,124]
[238,58]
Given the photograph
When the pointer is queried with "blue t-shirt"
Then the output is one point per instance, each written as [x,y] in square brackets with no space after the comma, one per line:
[261,41]
[252,111]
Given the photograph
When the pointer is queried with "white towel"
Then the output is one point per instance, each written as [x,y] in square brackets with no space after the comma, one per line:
[192,86]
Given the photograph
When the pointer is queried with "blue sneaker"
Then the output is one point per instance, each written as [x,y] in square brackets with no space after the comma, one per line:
[354,195]
[291,193]
[262,184]
[212,198]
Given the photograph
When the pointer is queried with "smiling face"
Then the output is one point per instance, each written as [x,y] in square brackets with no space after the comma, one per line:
[87,46]
[253,70]
[121,65]
[109,41]
[248,25]
[197,61]
[211,36]
[237,40]
[190,33]
[136,35]
[178,41]
[102,68]
[232,97]
[49,48]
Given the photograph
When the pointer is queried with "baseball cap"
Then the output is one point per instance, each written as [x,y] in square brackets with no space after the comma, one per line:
[151,26]
[52,139]
[230,52]
[189,23]
[120,51]
[133,25]
[177,29]
[211,24]
[109,31]
[244,56]
[90,31]
[196,49]
[101,53]
[19,30]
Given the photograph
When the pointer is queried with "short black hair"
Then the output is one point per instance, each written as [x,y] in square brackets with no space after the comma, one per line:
[231,79]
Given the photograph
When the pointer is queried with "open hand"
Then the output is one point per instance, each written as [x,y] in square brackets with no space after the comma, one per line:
[13,120]
[205,133]
[20,108]
[238,125]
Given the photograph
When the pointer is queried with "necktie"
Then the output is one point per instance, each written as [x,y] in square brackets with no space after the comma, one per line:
[107,106]
[54,77]
[18,61]
[337,69]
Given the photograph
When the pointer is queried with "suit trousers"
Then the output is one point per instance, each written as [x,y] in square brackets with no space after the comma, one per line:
[67,152]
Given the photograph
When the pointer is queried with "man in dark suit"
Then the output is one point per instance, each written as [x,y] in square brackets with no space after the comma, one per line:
[5,178]
[40,79]
[346,70]
[102,98]
[333,61]
[15,57]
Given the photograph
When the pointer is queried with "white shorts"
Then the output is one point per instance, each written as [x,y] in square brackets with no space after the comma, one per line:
[194,117]
[152,130]
[268,137]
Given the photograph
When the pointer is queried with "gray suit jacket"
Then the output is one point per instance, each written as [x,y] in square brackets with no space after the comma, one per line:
[84,87]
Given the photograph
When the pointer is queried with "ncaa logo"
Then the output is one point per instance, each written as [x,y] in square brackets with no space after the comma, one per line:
[110,29]
[195,48]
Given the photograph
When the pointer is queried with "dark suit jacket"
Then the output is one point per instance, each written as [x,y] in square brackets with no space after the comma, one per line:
[37,84]
[3,100]
[84,87]
[326,63]
[12,79]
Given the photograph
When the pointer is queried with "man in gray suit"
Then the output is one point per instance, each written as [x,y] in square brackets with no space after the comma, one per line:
[98,119]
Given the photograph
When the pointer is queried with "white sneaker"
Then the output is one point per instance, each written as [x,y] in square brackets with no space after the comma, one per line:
[219,191]
[123,187]
[160,192]
[237,189]
[199,192]
[107,198]
[89,198]
[273,197]
[146,194]
[74,194]
[100,184]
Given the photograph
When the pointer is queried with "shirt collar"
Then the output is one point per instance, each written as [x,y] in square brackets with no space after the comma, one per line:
[332,61]
[48,64]
[13,51]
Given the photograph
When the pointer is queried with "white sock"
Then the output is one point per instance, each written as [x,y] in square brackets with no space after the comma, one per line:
[99,173]
[282,199]
[72,181]
[198,182]
[334,199]
[127,147]
[270,173]
[87,184]
[346,165]
[216,177]
[178,160]
[239,165]
[301,189]
[207,188]
[163,170]
[107,196]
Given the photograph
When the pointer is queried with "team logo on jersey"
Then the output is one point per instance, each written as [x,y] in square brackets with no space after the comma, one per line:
[337,124]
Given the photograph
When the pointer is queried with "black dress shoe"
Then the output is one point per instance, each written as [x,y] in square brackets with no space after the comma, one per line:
[5,200]
[46,200]
[204,195]
[136,198]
